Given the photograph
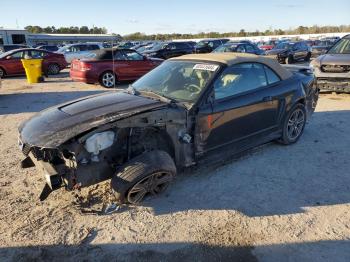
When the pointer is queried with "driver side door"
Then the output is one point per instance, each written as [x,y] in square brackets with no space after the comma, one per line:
[245,101]
[13,65]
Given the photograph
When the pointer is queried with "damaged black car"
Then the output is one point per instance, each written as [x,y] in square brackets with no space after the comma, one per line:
[183,112]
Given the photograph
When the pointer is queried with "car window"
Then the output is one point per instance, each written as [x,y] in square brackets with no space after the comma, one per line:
[216,43]
[82,47]
[73,48]
[133,56]
[17,55]
[171,46]
[249,49]
[119,55]
[272,77]
[182,45]
[240,49]
[37,54]
[93,47]
[238,79]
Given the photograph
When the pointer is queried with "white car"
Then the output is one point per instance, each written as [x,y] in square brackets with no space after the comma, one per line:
[78,51]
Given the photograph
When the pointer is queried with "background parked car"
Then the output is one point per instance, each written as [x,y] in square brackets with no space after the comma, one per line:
[208,45]
[239,47]
[78,51]
[332,70]
[289,52]
[52,48]
[267,45]
[127,65]
[10,62]
[321,47]
[6,48]
[168,50]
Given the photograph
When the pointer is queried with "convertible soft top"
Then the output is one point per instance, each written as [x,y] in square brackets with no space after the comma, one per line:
[229,58]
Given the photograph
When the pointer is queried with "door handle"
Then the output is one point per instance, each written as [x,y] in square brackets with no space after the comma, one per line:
[267,98]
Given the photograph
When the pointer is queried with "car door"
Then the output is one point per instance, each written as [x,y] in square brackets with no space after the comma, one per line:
[13,64]
[245,101]
[298,52]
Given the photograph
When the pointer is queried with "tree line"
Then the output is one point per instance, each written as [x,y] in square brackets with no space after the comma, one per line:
[66,30]
[141,36]
[242,33]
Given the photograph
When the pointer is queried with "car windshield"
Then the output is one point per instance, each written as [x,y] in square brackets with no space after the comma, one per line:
[283,46]
[182,81]
[225,48]
[157,47]
[342,47]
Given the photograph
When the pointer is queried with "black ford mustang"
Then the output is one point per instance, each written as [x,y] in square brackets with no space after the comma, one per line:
[173,117]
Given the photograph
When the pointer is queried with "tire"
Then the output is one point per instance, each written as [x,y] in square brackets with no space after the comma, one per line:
[53,69]
[307,57]
[148,173]
[293,125]
[2,73]
[108,79]
[289,60]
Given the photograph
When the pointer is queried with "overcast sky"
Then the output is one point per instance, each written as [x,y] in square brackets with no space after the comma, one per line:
[181,16]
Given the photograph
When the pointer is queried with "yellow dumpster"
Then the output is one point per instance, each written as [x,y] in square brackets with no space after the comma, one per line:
[33,70]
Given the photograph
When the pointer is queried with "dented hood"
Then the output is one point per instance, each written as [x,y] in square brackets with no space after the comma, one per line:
[54,126]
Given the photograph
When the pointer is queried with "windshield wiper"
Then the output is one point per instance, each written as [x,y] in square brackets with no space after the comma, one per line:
[151,93]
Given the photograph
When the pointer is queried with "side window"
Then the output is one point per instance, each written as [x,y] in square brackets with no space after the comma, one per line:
[171,46]
[249,49]
[181,45]
[211,44]
[240,49]
[82,47]
[17,55]
[74,48]
[239,78]
[93,47]
[37,54]
[272,77]
[119,55]
[217,43]
[133,56]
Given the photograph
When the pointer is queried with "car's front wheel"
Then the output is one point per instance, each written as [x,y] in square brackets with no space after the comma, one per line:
[147,174]
[289,60]
[294,124]
[108,79]
[307,57]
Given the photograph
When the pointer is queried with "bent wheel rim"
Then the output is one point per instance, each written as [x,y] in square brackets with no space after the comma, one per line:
[152,184]
[108,79]
[295,124]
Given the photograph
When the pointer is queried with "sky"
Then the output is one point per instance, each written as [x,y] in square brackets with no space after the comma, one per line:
[175,16]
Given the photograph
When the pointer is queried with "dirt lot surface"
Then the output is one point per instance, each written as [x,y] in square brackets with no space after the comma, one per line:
[276,203]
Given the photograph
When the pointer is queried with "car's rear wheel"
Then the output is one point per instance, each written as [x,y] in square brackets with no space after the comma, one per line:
[108,79]
[2,72]
[293,125]
[53,69]
[307,57]
[146,174]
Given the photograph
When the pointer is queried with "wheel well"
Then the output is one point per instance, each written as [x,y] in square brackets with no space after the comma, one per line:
[301,101]
[151,139]
[110,71]
[3,69]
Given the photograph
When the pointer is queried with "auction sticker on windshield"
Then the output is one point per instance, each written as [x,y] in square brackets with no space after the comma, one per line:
[207,67]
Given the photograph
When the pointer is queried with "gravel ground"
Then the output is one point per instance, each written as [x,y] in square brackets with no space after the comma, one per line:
[275,203]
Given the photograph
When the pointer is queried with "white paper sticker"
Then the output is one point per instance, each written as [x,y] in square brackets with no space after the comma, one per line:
[207,67]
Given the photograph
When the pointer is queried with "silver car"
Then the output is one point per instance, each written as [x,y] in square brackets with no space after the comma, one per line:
[78,51]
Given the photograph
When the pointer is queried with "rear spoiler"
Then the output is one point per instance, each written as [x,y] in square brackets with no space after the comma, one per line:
[306,70]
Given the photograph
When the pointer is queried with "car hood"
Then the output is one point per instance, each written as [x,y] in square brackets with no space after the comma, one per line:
[334,59]
[54,126]
[276,51]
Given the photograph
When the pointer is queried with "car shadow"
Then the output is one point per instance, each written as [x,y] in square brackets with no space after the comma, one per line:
[34,102]
[272,179]
[336,251]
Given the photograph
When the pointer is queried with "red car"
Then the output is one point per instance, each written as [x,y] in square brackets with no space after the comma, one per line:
[110,65]
[10,62]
